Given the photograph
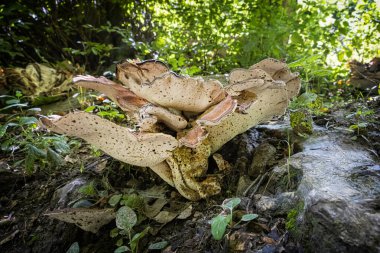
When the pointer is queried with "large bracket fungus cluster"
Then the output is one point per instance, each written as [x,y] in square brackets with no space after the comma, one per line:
[181,121]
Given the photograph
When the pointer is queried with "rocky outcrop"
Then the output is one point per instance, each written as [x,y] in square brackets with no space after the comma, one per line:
[337,208]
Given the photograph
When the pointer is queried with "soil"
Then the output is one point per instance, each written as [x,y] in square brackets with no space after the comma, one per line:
[25,199]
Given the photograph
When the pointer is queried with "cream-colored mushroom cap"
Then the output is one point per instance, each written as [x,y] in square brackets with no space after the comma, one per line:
[150,81]
[137,73]
[141,149]
[123,97]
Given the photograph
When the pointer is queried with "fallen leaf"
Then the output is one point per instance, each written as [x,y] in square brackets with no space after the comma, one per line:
[186,213]
[268,240]
[87,219]
[152,210]
[165,217]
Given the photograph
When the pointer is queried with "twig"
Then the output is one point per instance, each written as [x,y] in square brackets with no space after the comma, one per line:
[7,220]
[251,185]
[9,238]
[258,185]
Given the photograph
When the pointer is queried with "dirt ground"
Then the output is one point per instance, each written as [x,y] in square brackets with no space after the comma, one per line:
[26,198]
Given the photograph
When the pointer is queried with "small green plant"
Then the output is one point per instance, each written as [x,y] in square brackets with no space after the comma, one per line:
[361,118]
[301,123]
[222,220]
[21,134]
[106,110]
[126,219]
[291,219]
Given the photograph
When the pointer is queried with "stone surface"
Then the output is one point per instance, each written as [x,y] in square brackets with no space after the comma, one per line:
[280,204]
[67,193]
[264,156]
[340,190]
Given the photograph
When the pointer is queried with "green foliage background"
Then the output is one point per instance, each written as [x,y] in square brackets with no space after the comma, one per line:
[194,36]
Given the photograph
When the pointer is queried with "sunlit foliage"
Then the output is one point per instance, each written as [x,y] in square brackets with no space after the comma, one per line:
[195,37]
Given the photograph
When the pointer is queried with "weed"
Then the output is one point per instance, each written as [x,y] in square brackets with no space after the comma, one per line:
[291,219]
[362,117]
[126,219]
[20,134]
[220,222]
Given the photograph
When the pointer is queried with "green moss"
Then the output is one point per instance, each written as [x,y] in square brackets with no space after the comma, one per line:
[301,123]
[291,219]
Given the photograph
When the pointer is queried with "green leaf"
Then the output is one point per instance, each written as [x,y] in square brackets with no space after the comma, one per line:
[18,94]
[27,120]
[54,157]
[120,242]
[249,217]
[114,200]
[362,125]
[61,146]
[29,163]
[14,105]
[12,101]
[90,108]
[6,96]
[3,130]
[307,98]
[122,249]
[6,145]
[232,203]
[136,238]
[36,152]
[74,248]
[218,226]
[114,232]
[88,189]
[341,55]
[126,218]
[158,245]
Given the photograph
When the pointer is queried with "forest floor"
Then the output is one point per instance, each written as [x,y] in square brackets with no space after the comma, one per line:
[183,226]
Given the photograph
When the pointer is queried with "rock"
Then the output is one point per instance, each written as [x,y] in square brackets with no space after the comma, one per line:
[64,195]
[280,204]
[264,156]
[365,75]
[340,191]
[242,185]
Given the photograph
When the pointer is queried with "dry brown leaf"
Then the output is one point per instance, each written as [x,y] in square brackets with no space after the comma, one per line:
[87,219]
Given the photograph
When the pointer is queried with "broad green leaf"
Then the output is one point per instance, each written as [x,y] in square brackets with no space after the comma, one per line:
[74,248]
[3,130]
[126,218]
[90,108]
[12,101]
[36,152]
[158,245]
[14,105]
[232,203]
[136,238]
[249,217]
[218,226]
[27,120]
[122,249]
[114,200]
[54,157]
[61,146]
